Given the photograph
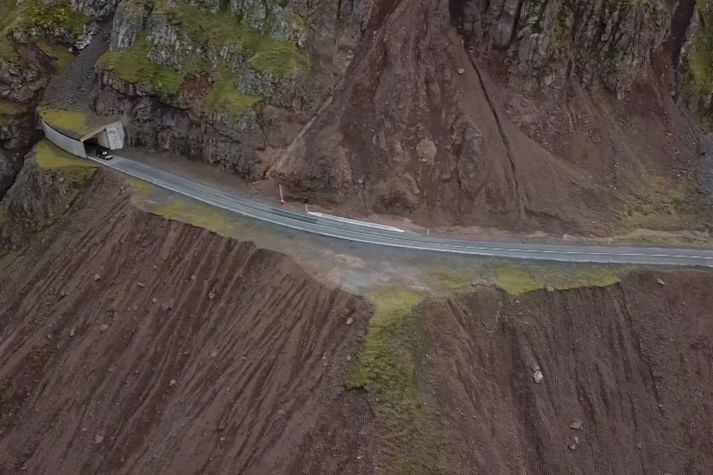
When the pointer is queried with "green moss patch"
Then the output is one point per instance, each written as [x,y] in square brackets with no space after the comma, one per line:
[77,173]
[72,123]
[521,279]
[700,58]
[279,59]
[11,109]
[224,29]
[201,31]
[134,66]
[387,367]
[196,214]
[61,56]
[41,19]
[225,97]
[663,204]
[447,280]
[50,157]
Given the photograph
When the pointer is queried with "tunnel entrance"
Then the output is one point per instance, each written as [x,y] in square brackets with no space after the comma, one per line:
[107,137]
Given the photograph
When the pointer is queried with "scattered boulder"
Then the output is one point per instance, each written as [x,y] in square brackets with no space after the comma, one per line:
[103,327]
[537,376]
[576,424]
[98,439]
[660,281]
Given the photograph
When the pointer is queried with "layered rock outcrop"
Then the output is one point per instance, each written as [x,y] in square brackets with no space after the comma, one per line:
[603,42]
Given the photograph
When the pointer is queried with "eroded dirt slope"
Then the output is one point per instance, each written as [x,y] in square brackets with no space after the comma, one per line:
[628,378]
[134,344]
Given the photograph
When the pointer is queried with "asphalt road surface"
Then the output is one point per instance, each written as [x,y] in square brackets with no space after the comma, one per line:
[325,226]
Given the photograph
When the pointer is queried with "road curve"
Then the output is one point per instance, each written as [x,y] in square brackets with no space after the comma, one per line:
[324,226]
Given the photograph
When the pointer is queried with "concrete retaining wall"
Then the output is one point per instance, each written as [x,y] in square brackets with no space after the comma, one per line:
[73,146]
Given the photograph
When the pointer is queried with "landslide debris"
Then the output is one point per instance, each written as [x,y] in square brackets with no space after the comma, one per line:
[625,377]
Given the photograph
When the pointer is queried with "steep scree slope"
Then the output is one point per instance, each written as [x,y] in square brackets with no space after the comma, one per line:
[134,344]
[627,382]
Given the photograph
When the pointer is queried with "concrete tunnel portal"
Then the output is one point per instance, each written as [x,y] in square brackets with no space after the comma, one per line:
[85,143]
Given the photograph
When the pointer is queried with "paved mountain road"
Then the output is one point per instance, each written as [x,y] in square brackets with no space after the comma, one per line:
[333,228]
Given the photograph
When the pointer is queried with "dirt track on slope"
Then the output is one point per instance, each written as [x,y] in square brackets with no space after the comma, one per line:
[629,368]
[135,344]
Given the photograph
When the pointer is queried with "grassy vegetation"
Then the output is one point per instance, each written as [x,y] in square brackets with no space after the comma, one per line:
[447,280]
[664,205]
[700,58]
[61,56]
[10,109]
[387,367]
[72,123]
[39,18]
[278,59]
[205,31]
[140,188]
[50,157]
[519,280]
[134,66]
[225,97]
[196,214]
[224,29]
[77,173]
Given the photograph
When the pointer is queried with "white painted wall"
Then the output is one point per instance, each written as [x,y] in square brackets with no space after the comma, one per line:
[112,136]
[75,147]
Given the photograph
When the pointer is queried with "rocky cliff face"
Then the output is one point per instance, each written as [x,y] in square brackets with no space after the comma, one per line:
[520,114]
[603,42]
[37,40]
[225,83]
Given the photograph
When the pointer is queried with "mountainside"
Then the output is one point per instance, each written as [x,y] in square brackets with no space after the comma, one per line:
[134,344]
[562,116]
[503,115]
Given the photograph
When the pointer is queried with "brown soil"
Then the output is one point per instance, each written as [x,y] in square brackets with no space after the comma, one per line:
[132,344]
[631,362]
